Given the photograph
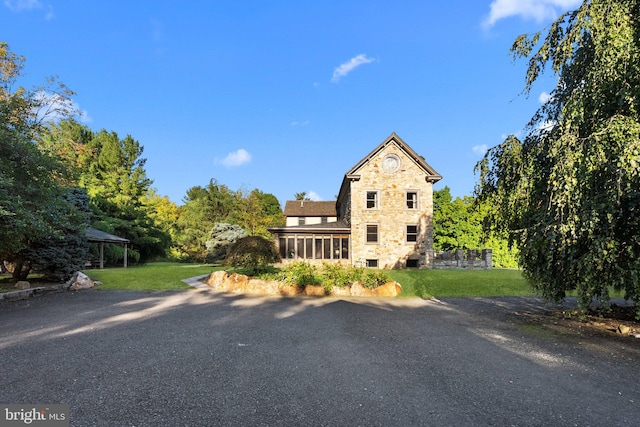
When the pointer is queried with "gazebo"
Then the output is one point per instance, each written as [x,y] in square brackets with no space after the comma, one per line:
[101,237]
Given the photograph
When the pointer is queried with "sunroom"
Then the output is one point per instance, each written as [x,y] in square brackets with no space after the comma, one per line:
[316,243]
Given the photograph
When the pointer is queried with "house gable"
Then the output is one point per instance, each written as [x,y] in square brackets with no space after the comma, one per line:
[392,144]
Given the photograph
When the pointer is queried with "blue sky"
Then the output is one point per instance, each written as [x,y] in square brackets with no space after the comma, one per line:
[286,96]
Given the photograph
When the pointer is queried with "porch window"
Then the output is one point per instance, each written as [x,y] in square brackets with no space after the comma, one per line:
[345,248]
[282,246]
[327,248]
[309,247]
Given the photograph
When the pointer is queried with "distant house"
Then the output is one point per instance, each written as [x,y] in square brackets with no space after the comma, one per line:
[383,216]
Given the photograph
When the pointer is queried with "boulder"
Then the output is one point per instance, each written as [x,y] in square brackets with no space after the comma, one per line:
[358,290]
[23,284]
[315,290]
[623,329]
[389,289]
[79,281]
[337,291]
[216,279]
[289,290]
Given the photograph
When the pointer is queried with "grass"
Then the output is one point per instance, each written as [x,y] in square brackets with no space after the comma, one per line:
[415,283]
[157,276]
[461,283]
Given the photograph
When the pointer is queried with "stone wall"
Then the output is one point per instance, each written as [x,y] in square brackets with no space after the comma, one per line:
[391,215]
[459,258]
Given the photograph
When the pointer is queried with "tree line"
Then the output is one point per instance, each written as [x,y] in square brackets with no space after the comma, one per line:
[59,177]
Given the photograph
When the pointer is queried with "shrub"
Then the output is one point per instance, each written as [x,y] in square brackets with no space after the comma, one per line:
[300,273]
[373,278]
[336,275]
[253,252]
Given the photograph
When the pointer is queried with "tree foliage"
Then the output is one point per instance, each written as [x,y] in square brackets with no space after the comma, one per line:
[252,252]
[458,224]
[204,207]
[37,212]
[568,193]
[111,169]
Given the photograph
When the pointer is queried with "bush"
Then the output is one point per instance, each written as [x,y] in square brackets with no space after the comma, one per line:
[329,276]
[300,273]
[252,252]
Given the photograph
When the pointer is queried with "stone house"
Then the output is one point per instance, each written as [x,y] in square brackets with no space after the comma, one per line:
[383,217]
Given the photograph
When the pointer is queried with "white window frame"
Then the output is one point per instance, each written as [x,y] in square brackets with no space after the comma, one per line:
[376,200]
[366,234]
[406,233]
[416,205]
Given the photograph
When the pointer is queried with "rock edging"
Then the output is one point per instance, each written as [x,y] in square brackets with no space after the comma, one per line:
[77,282]
[241,284]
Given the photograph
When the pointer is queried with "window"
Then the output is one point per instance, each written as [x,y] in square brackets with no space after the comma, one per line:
[372,263]
[372,200]
[323,220]
[412,233]
[412,263]
[345,248]
[308,245]
[301,220]
[326,254]
[372,233]
[412,200]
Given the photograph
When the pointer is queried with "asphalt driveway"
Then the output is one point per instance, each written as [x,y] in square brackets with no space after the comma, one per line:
[198,358]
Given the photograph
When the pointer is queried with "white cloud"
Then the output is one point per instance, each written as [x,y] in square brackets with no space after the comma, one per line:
[547,125]
[299,124]
[538,10]
[480,149]
[347,67]
[544,98]
[28,5]
[236,158]
[312,195]
[53,107]
[20,5]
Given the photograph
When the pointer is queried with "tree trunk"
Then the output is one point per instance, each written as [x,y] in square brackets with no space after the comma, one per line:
[21,270]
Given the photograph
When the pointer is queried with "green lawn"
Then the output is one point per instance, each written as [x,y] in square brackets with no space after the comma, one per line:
[157,276]
[415,283]
[461,283]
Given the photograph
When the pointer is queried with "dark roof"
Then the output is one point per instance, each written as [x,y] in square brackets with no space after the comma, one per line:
[94,235]
[309,208]
[328,227]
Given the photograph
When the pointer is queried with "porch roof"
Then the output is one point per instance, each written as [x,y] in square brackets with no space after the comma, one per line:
[336,227]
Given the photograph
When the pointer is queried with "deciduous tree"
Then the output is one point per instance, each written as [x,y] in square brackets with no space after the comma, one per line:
[569,192]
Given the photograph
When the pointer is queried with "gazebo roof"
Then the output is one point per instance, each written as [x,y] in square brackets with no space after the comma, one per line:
[94,235]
